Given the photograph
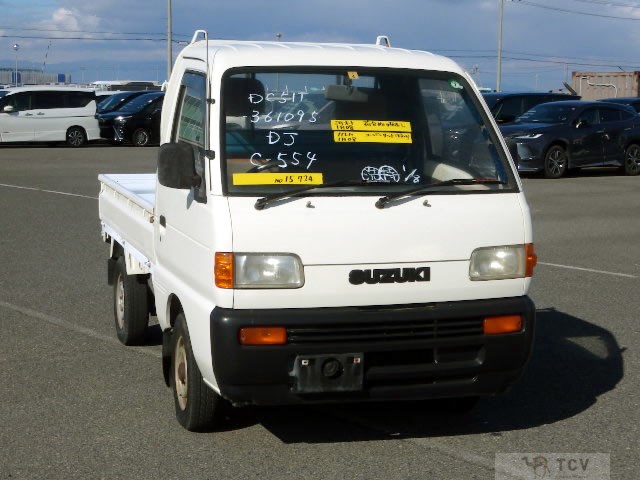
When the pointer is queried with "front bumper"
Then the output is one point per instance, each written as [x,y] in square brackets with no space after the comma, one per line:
[406,351]
[529,156]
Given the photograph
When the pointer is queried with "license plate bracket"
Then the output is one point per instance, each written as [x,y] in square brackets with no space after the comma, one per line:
[342,372]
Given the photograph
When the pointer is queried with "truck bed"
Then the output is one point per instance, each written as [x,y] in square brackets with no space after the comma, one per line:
[127,205]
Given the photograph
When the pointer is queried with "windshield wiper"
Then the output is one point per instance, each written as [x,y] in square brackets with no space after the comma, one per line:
[264,201]
[382,201]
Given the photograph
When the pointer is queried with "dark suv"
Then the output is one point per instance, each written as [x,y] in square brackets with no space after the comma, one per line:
[137,121]
[506,107]
[559,136]
[116,101]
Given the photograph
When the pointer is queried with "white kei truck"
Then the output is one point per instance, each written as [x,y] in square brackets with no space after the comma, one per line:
[328,223]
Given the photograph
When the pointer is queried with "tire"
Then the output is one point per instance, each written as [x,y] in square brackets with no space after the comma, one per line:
[556,162]
[76,137]
[141,137]
[130,305]
[632,159]
[198,407]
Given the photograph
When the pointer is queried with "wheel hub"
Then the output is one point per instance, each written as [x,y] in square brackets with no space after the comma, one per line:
[120,302]
[180,374]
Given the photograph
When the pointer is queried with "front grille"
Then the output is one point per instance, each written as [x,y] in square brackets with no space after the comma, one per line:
[386,331]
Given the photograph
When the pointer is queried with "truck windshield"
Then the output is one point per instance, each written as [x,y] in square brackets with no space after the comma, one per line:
[366,131]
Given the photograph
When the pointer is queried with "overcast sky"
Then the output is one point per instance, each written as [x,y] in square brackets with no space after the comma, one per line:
[543,40]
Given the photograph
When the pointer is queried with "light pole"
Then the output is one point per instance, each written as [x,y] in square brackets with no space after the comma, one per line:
[16,47]
[169,35]
[499,78]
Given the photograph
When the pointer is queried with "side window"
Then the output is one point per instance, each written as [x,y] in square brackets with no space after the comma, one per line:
[588,117]
[77,99]
[531,101]
[20,101]
[609,115]
[48,100]
[190,121]
[189,125]
[510,109]
[626,115]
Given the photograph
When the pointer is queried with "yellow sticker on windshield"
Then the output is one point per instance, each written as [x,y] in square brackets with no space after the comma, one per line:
[352,75]
[277,179]
[371,137]
[371,125]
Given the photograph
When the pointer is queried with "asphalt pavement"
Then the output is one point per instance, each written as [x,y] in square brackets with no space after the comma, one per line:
[75,404]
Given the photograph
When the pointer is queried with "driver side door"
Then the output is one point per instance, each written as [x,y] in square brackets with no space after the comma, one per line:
[586,144]
[18,124]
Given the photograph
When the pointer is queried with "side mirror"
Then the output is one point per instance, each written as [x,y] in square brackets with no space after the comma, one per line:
[8,109]
[176,166]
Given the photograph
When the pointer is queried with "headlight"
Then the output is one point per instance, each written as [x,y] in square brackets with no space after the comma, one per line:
[267,270]
[528,136]
[499,263]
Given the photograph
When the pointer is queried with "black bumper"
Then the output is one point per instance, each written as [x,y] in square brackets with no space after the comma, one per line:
[404,352]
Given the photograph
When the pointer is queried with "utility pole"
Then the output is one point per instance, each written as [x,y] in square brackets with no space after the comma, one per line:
[499,78]
[169,37]
[16,47]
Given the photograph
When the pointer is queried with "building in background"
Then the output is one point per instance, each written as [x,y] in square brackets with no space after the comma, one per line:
[597,85]
[31,76]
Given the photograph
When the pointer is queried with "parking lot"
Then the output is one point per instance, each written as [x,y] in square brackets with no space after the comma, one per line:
[78,404]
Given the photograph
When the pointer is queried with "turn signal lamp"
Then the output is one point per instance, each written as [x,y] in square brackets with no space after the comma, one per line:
[532,259]
[223,270]
[262,336]
[502,324]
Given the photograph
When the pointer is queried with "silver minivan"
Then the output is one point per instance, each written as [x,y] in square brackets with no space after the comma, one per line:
[49,114]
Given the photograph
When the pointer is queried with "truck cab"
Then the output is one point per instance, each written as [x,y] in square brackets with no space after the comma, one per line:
[329,223]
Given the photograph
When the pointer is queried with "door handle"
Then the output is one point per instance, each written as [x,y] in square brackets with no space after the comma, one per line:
[40,113]
[28,114]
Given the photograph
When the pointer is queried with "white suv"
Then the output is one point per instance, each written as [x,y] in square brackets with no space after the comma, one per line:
[49,114]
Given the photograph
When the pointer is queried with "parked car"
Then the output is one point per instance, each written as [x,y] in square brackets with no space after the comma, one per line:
[557,136]
[48,114]
[115,101]
[137,121]
[630,101]
[506,107]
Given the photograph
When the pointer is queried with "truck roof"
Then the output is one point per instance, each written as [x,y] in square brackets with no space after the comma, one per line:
[229,54]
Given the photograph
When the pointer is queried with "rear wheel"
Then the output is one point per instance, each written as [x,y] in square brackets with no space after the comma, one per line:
[141,137]
[76,137]
[556,161]
[632,160]
[130,305]
[197,407]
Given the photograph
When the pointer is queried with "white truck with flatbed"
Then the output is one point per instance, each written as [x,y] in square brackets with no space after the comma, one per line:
[328,223]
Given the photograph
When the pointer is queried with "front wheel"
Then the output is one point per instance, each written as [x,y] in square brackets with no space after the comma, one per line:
[556,161]
[141,137]
[632,159]
[76,137]
[130,305]
[198,408]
